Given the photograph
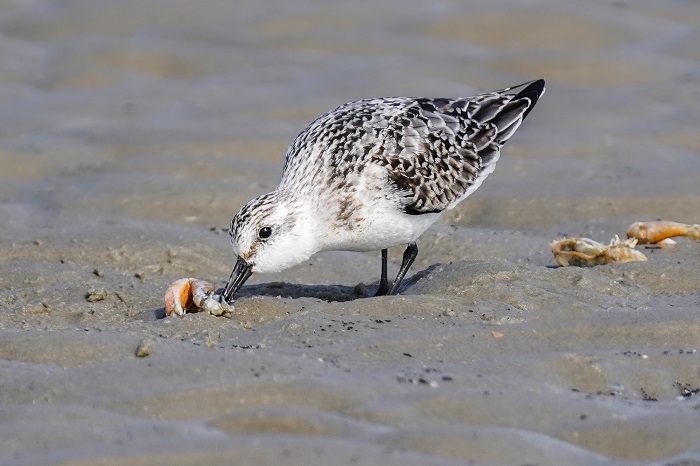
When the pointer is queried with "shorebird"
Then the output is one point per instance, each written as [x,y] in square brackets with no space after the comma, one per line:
[373,174]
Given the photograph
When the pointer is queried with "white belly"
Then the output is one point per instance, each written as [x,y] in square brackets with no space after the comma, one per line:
[378,222]
[380,229]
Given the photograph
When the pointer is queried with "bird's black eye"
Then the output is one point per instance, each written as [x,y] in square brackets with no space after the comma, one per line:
[265,232]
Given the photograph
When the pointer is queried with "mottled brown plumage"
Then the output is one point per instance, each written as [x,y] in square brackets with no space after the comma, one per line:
[433,150]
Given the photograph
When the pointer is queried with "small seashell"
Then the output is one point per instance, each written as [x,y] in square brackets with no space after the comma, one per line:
[584,252]
[216,308]
[178,298]
[205,300]
[194,295]
[655,232]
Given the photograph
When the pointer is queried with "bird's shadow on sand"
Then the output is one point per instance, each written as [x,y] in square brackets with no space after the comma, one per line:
[326,292]
[331,293]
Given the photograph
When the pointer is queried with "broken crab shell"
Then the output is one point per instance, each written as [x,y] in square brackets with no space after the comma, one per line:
[584,252]
[194,295]
[658,231]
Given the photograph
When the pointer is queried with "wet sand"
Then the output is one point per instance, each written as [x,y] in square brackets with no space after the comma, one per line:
[130,135]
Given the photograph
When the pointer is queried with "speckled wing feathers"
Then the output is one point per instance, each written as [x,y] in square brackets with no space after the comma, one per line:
[436,151]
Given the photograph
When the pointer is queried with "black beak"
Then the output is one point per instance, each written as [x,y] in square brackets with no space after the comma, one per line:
[241,271]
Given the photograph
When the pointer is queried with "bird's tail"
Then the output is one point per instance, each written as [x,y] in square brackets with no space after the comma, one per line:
[515,107]
[532,91]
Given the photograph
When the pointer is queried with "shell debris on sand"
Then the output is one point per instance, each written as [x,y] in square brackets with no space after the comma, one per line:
[194,295]
[661,232]
[584,252]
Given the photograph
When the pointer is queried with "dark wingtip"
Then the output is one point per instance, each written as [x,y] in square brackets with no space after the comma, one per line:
[533,91]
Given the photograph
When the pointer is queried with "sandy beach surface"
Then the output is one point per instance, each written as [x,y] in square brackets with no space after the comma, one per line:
[132,131]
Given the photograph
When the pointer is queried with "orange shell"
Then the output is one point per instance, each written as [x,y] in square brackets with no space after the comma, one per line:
[653,232]
[178,297]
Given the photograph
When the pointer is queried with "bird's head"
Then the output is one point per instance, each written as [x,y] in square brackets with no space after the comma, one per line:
[269,234]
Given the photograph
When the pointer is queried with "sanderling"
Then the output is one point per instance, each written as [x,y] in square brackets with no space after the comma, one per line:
[372,174]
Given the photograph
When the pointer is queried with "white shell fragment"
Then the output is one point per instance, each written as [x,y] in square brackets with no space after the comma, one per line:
[584,252]
[194,295]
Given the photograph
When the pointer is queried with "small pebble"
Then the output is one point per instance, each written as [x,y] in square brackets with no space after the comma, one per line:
[145,348]
[98,272]
[96,295]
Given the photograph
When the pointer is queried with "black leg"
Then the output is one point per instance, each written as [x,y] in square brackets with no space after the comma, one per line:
[409,255]
[383,281]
